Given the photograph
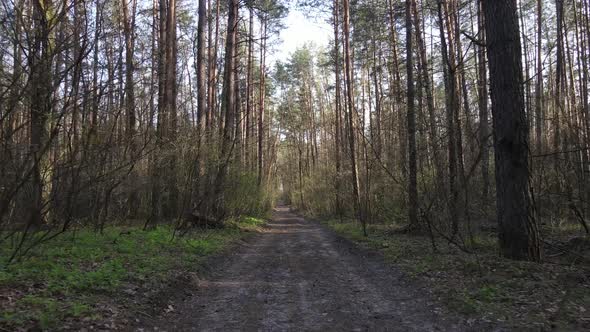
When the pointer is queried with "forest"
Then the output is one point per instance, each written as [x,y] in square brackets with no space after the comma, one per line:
[140,139]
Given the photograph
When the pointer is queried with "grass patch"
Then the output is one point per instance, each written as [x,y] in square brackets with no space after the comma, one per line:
[484,286]
[68,277]
[248,223]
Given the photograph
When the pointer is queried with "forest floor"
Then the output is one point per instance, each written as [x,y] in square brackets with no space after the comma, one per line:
[294,273]
[299,275]
[83,280]
[485,288]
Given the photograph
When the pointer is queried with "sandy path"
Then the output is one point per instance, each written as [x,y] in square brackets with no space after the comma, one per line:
[296,276]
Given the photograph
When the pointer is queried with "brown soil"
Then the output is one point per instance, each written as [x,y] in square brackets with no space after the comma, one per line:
[298,275]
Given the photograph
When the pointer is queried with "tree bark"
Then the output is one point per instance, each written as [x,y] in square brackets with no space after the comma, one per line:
[452,106]
[229,106]
[337,106]
[249,85]
[351,127]
[432,130]
[539,122]
[518,234]
[482,94]
[41,91]
[201,68]
[262,99]
[171,94]
[129,31]
[411,118]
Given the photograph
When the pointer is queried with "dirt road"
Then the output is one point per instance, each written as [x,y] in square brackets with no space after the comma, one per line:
[296,276]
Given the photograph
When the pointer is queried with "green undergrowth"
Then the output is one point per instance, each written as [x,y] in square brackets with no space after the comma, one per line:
[481,285]
[71,276]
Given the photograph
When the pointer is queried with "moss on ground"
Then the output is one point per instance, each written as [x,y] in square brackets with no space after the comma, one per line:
[79,276]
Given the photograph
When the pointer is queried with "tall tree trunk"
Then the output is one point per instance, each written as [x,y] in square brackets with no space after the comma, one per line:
[215,109]
[201,68]
[129,32]
[452,106]
[262,98]
[582,43]
[482,100]
[95,92]
[351,110]
[560,82]
[249,85]
[527,75]
[397,91]
[376,132]
[337,107]
[411,117]
[212,67]
[518,233]
[162,113]
[229,105]
[40,60]
[171,94]
[539,121]
[433,132]
[12,111]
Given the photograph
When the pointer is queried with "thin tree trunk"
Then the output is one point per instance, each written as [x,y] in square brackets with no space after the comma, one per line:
[129,31]
[482,100]
[201,68]
[40,77]
[162,113]
[229,105]
[451,104]
[351,128]
[539,84]
[249,86]
[433,132]
[337,108]
[397,91]
[411,118]
[262,98]
[171,94]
